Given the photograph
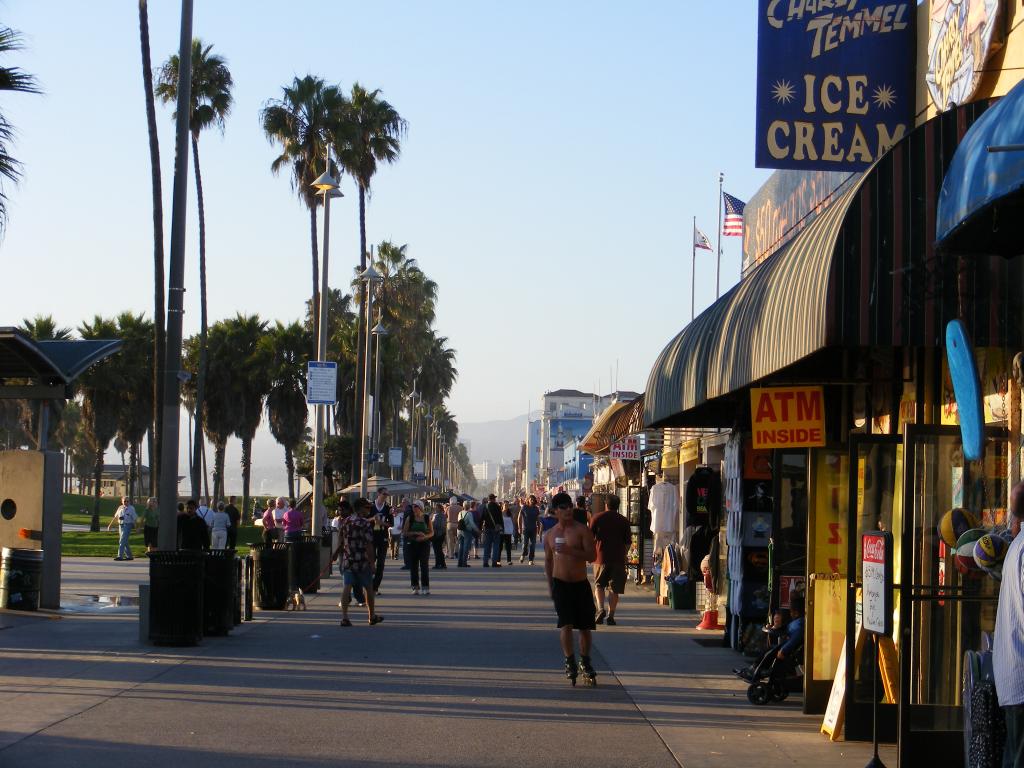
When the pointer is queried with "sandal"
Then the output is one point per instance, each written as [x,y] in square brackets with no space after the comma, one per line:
[375,620]
[346,623]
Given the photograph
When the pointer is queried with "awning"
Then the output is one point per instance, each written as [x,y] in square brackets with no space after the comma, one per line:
[618,420]
[982,197]
[51,362]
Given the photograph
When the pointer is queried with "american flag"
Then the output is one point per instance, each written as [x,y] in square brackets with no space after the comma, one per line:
[700,240]
[733,224]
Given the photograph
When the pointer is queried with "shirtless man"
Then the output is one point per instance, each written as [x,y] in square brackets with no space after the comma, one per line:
[568,547]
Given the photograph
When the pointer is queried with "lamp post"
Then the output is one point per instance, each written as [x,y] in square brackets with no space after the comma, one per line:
[412,433]
[327,186]
[378,331]
[370,276]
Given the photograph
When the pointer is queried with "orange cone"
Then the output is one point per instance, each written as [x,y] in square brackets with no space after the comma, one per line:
[709,620]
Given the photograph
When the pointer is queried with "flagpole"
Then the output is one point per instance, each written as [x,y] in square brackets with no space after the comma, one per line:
[718,269]
[693,266]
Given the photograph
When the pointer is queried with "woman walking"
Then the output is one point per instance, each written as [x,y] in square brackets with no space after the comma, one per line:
[416,533]
[509,530]
[439,527]
[220,521]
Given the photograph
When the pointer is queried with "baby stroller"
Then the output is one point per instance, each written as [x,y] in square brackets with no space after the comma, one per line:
[771,678]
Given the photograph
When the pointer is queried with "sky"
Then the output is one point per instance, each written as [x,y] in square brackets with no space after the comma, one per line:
[556,155]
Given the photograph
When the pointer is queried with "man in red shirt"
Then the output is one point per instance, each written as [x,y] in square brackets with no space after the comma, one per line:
[612,534]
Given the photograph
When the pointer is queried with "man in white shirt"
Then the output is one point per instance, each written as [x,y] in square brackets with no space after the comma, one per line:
[1008,651]
[125,517]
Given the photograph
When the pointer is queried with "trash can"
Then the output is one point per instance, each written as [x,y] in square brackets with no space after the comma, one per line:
[237,583]
[682,595]
[326,550]
[305,563]
[219,592]
[176,597]
[270,576]
[21,574]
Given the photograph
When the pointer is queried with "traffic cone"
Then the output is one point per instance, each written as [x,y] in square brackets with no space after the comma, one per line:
[709,620]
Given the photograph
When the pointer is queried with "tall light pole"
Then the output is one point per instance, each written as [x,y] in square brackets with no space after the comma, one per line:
[412,432]
[370,276]
[378,332]
[327,186]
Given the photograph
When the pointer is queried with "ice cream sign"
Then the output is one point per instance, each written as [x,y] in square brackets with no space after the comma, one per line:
[960,39]
[834,82]
[787,417]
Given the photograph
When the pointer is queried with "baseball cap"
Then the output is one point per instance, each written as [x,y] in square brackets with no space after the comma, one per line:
[417,503]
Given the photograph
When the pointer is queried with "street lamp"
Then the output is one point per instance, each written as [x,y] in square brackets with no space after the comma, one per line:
[378,331]
[326,185]
[371,277]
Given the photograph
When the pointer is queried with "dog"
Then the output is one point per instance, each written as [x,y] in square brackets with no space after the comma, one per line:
[296,601]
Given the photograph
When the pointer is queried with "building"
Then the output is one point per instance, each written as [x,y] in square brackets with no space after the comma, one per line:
[567,414]
[532,457]
[485,471]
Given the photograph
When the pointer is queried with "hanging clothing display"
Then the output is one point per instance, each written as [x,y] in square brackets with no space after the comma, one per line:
[703,497]
[664,505]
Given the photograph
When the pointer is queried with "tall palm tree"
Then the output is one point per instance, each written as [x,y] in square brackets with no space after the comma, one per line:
[370,134]
[221,406]
[210,103]
[250,382]
[287,412]
[136,397]
[11,79]
[303,122]
[158,250]
[100,387]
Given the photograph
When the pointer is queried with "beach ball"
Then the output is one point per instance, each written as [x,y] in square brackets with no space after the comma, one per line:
[954,524]
[989,550]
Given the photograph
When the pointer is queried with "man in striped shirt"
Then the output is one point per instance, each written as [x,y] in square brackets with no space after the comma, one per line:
[1008,654]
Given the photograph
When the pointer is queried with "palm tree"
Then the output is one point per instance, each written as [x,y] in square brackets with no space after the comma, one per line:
[303,122]
[158,251]
[251,380]
[220,409]
[287,411]
[11,79]
[136,397]
[369,134]
[42,328]
[209,105]
[100,387]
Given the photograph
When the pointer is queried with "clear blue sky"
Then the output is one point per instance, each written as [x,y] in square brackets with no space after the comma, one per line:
[556,154]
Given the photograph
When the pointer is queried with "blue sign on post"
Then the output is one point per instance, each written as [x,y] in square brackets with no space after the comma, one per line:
[834,82]
[321,383]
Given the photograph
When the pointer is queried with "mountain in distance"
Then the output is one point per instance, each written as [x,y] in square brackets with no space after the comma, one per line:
[495,440]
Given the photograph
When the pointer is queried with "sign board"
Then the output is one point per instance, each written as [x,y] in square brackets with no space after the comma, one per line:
[835,710]
[960,40]
[436,474]
[394,457]
[321,383]
[626,448]
[834,82]
[418,468]
[787,586]
[787,417]
[689,451]
[876,596]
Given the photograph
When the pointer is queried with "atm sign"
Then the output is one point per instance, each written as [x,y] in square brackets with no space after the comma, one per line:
[788,417]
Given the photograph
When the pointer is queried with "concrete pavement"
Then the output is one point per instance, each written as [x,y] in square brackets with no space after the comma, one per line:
[469,676]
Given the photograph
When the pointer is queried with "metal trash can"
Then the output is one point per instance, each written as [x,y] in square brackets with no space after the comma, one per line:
[236,612]
[219,592]
[21,575]
[270,576]
[176,597]
[305,563]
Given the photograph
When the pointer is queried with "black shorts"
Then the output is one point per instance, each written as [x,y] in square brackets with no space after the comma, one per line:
[574,603]
[149,535]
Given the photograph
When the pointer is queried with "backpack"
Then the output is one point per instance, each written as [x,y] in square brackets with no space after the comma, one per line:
[462,522]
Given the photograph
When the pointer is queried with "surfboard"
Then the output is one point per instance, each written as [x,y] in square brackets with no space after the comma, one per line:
[963,372]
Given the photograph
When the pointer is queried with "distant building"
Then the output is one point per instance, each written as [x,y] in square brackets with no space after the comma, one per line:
[567,414]
[533,457]
[485,471]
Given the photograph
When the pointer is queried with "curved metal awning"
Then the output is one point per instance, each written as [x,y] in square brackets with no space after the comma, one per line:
[773,318]
[50,362]
[982,196]
[618,420]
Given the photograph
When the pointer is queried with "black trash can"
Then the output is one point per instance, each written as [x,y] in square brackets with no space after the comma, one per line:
[237,583]
[219,592]
[305,563]
[270,576]
[21,574]
[176,597]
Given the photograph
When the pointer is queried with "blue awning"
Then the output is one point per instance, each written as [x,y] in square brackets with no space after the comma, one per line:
[51,362]
[982,195]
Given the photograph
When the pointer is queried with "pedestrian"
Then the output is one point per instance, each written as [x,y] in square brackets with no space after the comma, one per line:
[416,535]
[612,538]
[220,522]
[1008,654]
[452,511]
[406,514]
[397,518]
[478,517]
[192,531]
[580,513]
[125,517]
[508,531]
[529,527]
[356,533]
[382,519]
[204,511]
[492,531]
[235,517]
[467,528]
[270,529]
[293,522]
[150,524]
[568,547]
[547,522]
[268,508]
[439,528]
[280,507]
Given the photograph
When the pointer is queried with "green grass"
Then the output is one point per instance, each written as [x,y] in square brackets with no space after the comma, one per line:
[103,543]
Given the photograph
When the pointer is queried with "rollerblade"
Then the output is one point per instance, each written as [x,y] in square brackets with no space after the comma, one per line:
[587,672]
[571,670]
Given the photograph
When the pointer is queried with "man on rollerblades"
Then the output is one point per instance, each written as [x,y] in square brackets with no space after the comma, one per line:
[568,547]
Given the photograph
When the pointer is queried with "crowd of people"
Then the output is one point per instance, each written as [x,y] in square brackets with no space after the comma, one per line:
[199,525]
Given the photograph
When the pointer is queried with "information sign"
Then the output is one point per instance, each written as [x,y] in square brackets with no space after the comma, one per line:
[418,468]
[394,457]
[787,417]
[321,383]
[876,599]
[626,448]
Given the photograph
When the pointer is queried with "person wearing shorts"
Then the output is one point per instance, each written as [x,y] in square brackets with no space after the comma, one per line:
[612,538]
[357,558]
[568,547]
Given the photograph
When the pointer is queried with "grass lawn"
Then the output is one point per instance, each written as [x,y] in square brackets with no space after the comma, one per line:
[104,543]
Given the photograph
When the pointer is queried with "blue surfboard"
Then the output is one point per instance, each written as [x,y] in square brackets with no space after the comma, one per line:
[963,371]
